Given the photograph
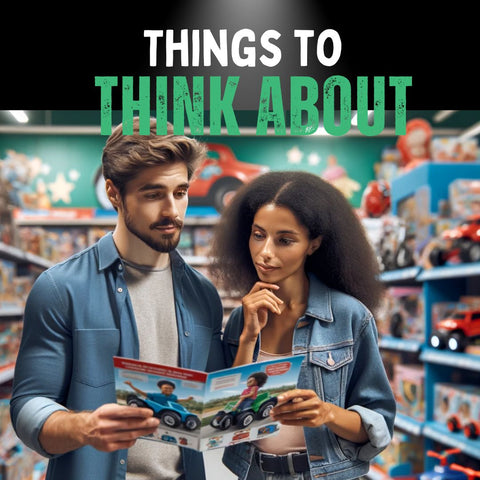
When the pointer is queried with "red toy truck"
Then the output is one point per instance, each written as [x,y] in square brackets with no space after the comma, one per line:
[219,176]
[462,242]
[455,331]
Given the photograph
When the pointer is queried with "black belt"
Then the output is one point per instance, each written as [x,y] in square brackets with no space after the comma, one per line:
[291,463]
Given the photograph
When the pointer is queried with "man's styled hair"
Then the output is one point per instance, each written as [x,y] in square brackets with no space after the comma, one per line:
[125,156]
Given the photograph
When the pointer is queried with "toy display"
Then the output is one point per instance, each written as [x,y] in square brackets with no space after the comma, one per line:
[469,472]
[455,331]
[13,288]
[454,149]
[376,198]
[7,273]
[392,243]
[408,387]
[402,315]
[415,145]
[443,471]
[458,407]
[404,449]
[464,198]
[460,244]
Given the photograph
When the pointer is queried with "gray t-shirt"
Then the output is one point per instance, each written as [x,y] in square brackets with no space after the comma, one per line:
[151,293]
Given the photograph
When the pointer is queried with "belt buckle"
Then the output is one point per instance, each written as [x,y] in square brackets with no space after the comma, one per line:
[291,468]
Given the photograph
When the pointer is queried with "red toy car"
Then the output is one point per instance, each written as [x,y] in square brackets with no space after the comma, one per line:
[455,331]
[219,176]
[462,241]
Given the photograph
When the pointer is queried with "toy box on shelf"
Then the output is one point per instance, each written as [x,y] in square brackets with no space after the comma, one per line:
[464,197]
[403,449]
[202,239]
[402,314]
[454,149]
[53,243]
[408,387]
[13,288]
[185,246]
[458,407]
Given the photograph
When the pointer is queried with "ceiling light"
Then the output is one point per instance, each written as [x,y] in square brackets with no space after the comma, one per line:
[355,117]
[441,115]
[473,131]
[19,115]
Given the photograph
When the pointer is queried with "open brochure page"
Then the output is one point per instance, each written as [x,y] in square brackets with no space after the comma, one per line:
[205,411]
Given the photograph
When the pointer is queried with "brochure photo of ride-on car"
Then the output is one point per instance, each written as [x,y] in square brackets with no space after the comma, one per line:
[202,410]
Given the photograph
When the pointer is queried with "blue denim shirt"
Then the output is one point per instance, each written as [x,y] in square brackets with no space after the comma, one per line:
[343,365]
[77,317]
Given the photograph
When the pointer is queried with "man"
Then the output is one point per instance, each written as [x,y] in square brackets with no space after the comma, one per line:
[131,295]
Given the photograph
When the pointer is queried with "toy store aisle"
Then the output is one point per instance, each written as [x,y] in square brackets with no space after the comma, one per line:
[215,469]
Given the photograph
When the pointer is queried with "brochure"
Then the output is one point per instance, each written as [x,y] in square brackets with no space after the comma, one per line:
[202,410]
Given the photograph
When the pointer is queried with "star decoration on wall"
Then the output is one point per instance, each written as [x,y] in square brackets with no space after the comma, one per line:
[314,159]
[294,155]
[61,189]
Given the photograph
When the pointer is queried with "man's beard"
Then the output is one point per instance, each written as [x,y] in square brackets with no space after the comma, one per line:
[166,243]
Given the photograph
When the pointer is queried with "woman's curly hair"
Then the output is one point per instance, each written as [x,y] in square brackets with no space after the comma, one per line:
[345,260]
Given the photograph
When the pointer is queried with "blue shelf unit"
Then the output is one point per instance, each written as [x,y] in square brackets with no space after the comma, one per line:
[439,284]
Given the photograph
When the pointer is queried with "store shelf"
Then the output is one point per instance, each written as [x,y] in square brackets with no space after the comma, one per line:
[8,312]
[440,433]
[6,372]
[409,425]
[404,345]
[402,275]
[451,359]
[15,254]
[72,217]
[196,260]
[450,271]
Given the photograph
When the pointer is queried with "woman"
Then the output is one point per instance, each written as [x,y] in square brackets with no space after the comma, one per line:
[293,242]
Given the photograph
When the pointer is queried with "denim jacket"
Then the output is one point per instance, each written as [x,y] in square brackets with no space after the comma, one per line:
[343,365]
[77,317]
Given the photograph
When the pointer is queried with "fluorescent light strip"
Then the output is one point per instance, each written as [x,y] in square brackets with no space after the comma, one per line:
[441,115]
[19,115]
[473,131]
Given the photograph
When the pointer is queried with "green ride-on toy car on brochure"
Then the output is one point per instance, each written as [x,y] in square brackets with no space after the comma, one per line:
[258,410]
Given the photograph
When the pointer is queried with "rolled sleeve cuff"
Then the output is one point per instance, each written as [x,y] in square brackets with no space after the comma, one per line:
[30,421]
[378,435]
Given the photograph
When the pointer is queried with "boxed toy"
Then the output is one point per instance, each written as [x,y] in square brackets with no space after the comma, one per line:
[59,243]
[185,246]
[456,405]
[454,149]
[7,293]
[202,240]
[402,313]
[403,449]
[464,197]
[408,387]
[10,336]
[446,401]
[96,233]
